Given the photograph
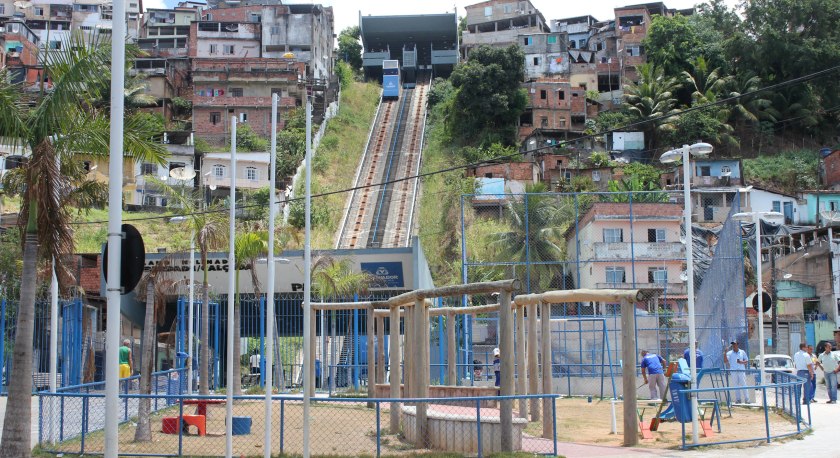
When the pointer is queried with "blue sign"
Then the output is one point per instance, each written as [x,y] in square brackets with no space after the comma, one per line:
[387,274]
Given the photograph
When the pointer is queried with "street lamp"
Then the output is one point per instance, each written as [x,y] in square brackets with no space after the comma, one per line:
[788,275]
[670,157]
[755,218]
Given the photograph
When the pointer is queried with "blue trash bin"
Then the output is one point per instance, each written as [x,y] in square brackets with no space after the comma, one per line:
[682,407]
[241,426]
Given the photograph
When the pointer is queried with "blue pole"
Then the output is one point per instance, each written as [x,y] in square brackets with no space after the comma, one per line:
[61,421]
[441,342]
[554,424]
[609,357]
[41,421]
[262,341]
[356,347]
[766,415]
[282,422]
[84,422]
[378,431]
[2,337]
[478,426]
[216,347]
[180,427]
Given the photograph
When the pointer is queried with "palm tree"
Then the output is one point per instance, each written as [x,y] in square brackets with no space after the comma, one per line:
[536,235]
[751,109]
[651,98]
[54,126]
[154,288]
[209,226]
[705,84]
[248,247]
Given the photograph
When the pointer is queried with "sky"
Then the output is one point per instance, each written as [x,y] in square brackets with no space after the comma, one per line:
[347,11]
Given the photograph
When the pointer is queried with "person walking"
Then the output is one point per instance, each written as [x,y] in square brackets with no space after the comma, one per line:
[497,366]
[255,362]
[126,365]
[816,362]
[652,371]
[699,356]
[805,369]
[831,365]
[736,361]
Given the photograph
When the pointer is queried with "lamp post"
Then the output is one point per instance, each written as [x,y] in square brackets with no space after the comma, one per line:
[755,218]
[231,363]
[669,157]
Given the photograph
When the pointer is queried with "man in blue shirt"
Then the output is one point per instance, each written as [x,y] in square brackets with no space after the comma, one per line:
[699,356]
[653,373]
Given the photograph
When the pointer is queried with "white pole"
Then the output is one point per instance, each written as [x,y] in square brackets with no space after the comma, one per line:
[689,258]
[115,169]
[231,364]
[191,316]
[760,292]
[269,314]
[53,351]
[307,285]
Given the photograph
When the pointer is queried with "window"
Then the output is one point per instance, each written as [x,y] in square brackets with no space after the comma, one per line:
[536,61]
[613,235]
[38,11]
[236,92]
[214,49]
[488,11]
[596,175]
[251,173]
[832,206]
[615,275]
[275,30]
[705,171]
[86,27]
[543,94]
[658,275]
[561,95]
[488,175]
[2,8]
[228,49]
[656,235]
[543,122]
[219,171]
[254,17]
[132,5]
[552,39]
[508,8]
[149,200]
[86,166]
[527,41]
[572,44]
[777,206]
[215,117]
[149,169]
[725,169]
[243,117]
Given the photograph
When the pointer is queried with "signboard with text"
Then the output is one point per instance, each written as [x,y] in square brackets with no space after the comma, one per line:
[387,274]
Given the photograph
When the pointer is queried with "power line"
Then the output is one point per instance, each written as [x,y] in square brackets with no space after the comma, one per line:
[794,81]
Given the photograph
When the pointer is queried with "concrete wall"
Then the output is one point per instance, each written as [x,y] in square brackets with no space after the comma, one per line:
[762,201]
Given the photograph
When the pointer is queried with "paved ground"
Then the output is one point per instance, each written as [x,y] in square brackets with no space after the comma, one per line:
[34,418]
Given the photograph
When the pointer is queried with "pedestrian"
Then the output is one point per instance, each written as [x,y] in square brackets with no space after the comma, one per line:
[652,371]
[477,370]
[736,361]
[255,362]
[831,365]
[816,362]
[317,373]
[497,366]
[699,356]
[126,365]
[805,369]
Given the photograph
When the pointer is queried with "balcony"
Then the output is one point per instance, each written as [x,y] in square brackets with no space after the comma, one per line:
[676,289]
[715,182]
[640,250]
[262,101]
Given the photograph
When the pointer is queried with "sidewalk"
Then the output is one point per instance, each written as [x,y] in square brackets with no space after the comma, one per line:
[34,427]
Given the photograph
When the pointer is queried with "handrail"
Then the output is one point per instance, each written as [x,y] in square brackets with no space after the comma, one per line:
[102,382]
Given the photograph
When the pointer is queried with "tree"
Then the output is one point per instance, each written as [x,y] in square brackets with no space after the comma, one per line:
[635,188]
[651,98]
[350,48]
[646,174]
[248,247]
[489,98]
[700,125]
[671,44]
[537,223]
[54,126]
[705,83]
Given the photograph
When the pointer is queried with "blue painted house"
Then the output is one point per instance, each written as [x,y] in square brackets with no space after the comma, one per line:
[817,206]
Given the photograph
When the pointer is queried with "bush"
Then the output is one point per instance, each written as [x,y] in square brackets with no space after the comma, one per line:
[345,74]
[248,140]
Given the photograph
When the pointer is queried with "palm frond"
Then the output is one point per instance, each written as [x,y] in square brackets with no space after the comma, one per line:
[13,111]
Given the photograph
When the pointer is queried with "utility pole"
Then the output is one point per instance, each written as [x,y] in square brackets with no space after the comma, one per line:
[774,321]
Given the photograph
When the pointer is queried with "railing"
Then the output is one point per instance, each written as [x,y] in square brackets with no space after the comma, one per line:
[344,426]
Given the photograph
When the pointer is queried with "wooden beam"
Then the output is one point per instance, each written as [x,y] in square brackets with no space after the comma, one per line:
[370,329]
[533,377]
[593,295]
[545,342]
[527,299]
[507,355]
[419,369]
[521,371]
[395,368]
[628,373]
[451,357]
[436,311]
[454,290]
[380,349]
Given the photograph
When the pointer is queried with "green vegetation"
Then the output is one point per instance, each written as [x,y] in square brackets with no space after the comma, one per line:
[790,171]
[350,47]
[90,230]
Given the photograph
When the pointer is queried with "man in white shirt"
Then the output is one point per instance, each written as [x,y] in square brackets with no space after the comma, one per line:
[736,361]
[831,366]
[255,362]
[805,369]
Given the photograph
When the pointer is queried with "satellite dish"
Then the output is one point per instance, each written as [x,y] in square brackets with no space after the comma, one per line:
[831,216]
[684,276]
[182,173]
[212,187]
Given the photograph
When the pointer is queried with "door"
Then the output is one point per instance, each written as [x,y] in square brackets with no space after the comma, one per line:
[788,212]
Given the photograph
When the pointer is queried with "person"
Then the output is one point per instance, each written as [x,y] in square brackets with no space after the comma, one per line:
[736,361]
[255,362]
[699,356]
[805,369]
[126,366]
[477,369]
[831,365]
[317,373]
[497,366]
[652,371]
[816,362]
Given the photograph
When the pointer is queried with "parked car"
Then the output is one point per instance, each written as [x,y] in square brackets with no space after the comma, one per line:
[775,363]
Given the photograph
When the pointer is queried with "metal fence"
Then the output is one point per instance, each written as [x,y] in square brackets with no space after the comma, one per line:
[195,425]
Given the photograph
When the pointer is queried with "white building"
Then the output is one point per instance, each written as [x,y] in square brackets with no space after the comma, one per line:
[252,170]
[763,200]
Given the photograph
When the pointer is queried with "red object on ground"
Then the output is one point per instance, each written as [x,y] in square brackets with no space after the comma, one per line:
[170,425]
[201,404]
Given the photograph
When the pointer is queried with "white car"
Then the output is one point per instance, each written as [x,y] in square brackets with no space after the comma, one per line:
[775,363]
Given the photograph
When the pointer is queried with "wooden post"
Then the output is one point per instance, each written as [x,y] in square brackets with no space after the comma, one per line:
[521,371]
[310,379]
[408,353]
[533,375]
[380,347]
[628,379]
[395,368]
[371,359]
[506,349]
[451,359]
[545,340]
[420,368]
